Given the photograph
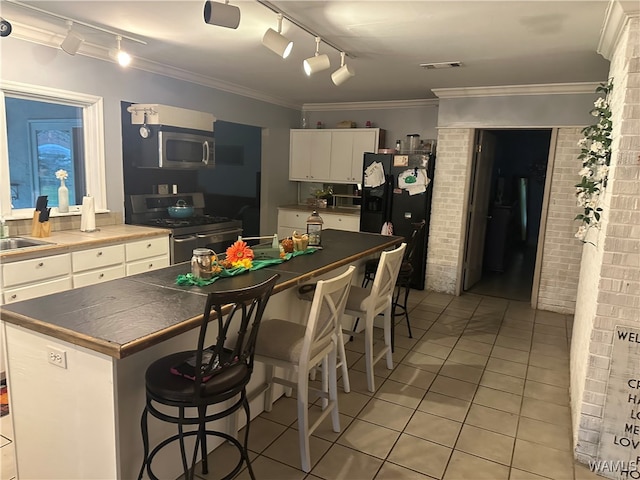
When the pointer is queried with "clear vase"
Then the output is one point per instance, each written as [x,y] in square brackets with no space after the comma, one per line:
[63,197]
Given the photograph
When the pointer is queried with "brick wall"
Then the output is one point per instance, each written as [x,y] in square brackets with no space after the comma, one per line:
[609,289]
[561,251]
[447,204]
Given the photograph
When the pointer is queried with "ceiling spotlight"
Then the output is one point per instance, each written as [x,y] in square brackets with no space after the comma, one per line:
[344,73]
[119,55]
[276,42]
[318,62]
[221,14]
[72,41]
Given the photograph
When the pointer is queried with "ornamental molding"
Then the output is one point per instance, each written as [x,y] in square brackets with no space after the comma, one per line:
[518,90]
[616,17]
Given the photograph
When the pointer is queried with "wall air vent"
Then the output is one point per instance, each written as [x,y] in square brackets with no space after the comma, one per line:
[432,66]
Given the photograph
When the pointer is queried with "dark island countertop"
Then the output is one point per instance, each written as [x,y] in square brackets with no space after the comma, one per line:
[124,316]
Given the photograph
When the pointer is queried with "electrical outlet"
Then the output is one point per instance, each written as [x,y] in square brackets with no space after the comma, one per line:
[57,357]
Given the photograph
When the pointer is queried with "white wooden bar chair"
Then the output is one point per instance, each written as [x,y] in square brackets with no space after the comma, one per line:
[367,304]
[299,347]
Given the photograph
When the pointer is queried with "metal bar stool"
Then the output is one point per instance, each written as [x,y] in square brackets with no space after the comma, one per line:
[404,278]
[198,379]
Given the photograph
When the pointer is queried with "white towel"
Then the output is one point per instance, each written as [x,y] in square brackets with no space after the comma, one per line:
[88,217]
[374,175]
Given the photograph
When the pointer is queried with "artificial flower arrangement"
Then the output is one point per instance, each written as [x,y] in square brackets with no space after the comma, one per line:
[596,157]
[240,258]
[62,174]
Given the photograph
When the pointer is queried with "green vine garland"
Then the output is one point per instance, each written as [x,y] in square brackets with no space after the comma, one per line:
[596,157]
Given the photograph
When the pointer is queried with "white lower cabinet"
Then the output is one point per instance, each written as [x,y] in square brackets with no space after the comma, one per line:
[97,265]
[146,255]
[34,278]
[290,220]
[26,279]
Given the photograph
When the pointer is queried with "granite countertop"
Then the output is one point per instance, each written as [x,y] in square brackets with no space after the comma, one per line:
[127,315]
[329,210]
[70,240]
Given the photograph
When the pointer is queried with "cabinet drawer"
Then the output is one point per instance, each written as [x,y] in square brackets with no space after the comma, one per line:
[97,257]
[38,290]
[151,247]
[297,219]
[342,222]
[98,276]
[30,271]
[147,265]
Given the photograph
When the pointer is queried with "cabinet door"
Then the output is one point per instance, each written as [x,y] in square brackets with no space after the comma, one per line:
[363,141]
[347,152]
[309,155]
[341,156]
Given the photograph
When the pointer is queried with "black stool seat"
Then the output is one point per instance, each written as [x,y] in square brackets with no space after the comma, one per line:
[194,380]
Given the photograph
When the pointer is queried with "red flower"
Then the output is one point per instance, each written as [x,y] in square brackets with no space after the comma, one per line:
[238,252]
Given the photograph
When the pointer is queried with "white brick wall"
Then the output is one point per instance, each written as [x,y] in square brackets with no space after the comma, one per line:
[447,204]
[609,289]
[561,250]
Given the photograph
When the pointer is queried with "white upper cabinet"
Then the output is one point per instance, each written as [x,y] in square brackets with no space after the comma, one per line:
[330,155]
[347,151]
[310,155]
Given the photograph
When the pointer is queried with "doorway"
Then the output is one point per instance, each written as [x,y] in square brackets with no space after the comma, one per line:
[507,193]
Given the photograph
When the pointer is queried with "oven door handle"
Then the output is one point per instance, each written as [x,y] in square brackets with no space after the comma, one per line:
[184,238]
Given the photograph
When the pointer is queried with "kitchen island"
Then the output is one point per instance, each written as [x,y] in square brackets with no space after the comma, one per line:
[76,359]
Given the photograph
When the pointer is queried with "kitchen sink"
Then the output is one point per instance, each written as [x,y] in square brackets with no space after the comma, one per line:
[12,243]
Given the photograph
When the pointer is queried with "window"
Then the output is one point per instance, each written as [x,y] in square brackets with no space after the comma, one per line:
[48,130]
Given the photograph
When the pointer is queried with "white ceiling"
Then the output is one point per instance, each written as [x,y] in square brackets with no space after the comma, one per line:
[509,42]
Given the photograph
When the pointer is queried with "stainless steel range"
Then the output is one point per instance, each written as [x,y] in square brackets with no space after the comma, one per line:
[198,230]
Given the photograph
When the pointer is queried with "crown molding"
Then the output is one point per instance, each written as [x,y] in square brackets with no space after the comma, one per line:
[382,105]
[615,19]
[100,52]
[512,90]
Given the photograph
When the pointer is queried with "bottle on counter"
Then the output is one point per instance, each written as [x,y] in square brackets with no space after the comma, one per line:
[319,124]
[4,228]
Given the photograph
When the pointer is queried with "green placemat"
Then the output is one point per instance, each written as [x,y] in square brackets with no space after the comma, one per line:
[190,279]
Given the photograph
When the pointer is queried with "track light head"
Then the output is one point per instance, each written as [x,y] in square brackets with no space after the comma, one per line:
[221,14]
[344,73]
[73,40]
[276,42]
[119,55]
[318,62]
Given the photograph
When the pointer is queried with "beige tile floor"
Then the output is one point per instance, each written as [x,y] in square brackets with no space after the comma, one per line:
[479,392]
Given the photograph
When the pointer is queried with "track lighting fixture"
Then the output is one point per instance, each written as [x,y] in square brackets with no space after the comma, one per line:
[221,14]
[318,62]
[344,73]
[72,41]
[119,55]
[276,42]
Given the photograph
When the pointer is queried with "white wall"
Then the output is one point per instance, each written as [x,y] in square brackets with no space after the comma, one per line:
[26,62]
[398,121]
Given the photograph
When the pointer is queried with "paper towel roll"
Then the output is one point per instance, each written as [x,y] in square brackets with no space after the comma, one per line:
[88,217]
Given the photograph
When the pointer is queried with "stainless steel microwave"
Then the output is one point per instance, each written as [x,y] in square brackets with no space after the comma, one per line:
[170,147]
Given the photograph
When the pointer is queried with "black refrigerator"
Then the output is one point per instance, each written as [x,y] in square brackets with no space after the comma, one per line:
[391,201]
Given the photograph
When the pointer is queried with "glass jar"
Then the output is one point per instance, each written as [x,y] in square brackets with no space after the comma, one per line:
[314,229]
[201,263]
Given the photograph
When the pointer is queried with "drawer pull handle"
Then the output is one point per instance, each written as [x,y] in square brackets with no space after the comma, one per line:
[99,254]
[41,264]
[14,296]
[148,245]
[101,275]
[151,265]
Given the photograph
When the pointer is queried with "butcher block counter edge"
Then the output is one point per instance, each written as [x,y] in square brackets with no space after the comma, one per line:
[118,351]
[328,210]
[66,241]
